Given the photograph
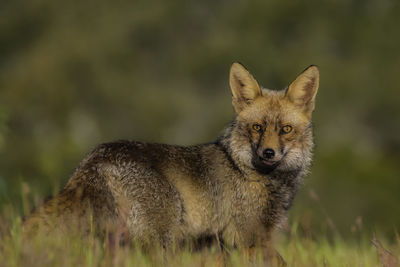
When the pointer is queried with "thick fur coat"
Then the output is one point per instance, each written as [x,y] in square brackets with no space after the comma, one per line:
[238,188]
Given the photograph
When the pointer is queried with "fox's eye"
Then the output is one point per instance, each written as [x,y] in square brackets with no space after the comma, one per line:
[286,129]
[257,127]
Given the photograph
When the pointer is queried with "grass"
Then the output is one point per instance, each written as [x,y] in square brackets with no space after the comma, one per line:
[298,246]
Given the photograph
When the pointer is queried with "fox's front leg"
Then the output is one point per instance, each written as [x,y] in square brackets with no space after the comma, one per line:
[253,240]
[270,256]
[261,245]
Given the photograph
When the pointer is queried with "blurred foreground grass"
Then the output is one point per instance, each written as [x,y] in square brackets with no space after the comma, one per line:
[298,246]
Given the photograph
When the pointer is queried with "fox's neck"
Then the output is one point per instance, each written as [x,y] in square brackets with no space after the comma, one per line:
[224,141]
[281,184]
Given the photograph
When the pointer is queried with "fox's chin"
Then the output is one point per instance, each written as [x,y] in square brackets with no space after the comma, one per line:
[264,166]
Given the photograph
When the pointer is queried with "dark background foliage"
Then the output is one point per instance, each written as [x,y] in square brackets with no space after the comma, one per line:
[77,73]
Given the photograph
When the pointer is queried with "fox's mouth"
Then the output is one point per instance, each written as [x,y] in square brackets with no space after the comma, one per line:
[268,162]
[264,166]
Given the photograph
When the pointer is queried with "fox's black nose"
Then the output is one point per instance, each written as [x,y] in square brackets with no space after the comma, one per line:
[269,153]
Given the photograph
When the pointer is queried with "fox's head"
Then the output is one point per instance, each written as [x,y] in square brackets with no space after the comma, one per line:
[272,128]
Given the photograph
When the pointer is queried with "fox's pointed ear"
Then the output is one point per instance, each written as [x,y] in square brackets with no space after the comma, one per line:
[303,90]
[244,87]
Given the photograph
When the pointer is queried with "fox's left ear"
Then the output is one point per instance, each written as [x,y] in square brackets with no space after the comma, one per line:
[303,90]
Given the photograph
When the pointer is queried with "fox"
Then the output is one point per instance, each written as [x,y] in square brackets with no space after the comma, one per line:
[237,188]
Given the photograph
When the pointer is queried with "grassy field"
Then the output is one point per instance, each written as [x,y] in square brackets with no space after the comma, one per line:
[298,246]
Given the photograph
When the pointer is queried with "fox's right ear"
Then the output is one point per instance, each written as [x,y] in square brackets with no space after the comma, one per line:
[244,87]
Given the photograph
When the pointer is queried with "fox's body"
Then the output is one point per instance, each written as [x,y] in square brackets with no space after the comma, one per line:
[237,188]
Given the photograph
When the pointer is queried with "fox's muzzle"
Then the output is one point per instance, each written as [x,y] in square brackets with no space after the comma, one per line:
[265,160]
[268,154]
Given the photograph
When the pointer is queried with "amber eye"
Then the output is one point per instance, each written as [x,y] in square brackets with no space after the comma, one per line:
[257,127]
[286,129]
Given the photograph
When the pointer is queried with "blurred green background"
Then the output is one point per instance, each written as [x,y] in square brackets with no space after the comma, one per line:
[74,74]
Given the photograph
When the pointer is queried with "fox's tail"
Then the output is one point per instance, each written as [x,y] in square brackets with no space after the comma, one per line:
[56,211]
